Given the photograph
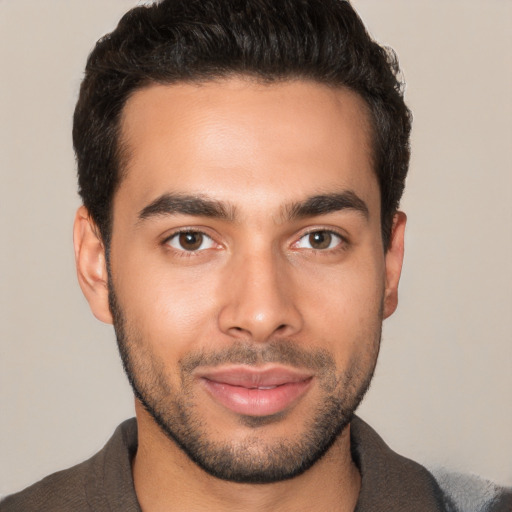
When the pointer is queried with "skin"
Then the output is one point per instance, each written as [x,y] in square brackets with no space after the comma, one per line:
[256,280]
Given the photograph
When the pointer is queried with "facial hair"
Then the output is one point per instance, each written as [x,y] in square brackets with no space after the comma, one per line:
[253,460]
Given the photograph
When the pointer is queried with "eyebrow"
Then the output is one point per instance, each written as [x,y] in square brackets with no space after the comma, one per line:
[176,204]
[327,203]
[199,206]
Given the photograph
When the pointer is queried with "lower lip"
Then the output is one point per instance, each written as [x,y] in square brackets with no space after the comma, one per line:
[257,402]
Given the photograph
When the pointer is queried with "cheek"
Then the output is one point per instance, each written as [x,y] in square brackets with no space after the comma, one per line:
[344,307]
[352,291]
[168,308]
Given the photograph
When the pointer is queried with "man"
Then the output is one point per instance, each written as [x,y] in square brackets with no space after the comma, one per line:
[241,166]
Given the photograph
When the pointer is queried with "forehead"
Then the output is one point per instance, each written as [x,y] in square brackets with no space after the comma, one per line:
[243,141]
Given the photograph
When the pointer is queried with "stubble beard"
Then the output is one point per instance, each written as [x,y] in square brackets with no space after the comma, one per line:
[253,460]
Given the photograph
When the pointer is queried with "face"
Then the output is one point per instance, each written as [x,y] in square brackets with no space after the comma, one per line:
[248,280]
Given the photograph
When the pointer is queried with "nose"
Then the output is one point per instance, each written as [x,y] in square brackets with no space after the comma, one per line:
[258,300]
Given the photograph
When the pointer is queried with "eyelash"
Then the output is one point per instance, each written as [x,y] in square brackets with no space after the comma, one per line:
[183,252]
[340,246]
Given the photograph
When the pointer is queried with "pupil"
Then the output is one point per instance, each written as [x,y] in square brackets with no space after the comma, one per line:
[191,241]
[320,240]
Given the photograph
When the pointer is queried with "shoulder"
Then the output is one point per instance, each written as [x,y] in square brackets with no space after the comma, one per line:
[101,483]
[393,482]
[470,493]
[390,481]
[64,490]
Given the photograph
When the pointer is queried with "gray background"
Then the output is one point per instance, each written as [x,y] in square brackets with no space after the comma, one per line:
[443,389]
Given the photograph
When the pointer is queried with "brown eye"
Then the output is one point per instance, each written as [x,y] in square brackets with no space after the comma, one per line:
[190,241]
[320,239]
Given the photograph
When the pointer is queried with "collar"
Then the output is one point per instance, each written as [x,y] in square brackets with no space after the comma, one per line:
[389,482]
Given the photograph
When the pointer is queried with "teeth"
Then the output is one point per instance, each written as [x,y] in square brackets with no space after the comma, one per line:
[266,387]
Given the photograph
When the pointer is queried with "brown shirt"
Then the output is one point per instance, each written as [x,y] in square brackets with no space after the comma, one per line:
[104,483]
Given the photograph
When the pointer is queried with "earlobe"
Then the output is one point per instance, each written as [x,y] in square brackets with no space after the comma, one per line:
[394,260]
[91,264]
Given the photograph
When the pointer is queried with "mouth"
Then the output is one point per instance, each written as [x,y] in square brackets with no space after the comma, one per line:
[253,391]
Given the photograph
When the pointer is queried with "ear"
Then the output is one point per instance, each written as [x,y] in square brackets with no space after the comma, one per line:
[394,260]
[91,264]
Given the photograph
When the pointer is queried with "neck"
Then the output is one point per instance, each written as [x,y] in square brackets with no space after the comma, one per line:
[163,474]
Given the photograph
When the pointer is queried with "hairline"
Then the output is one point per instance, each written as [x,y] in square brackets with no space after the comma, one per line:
[123,151]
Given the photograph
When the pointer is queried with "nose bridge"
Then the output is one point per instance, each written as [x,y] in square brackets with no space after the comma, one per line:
[259,302]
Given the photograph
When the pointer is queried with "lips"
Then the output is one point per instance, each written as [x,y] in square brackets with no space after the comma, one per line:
[254,391]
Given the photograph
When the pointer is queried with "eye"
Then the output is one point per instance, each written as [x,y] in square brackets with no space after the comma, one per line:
[319,240]
[190,241]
